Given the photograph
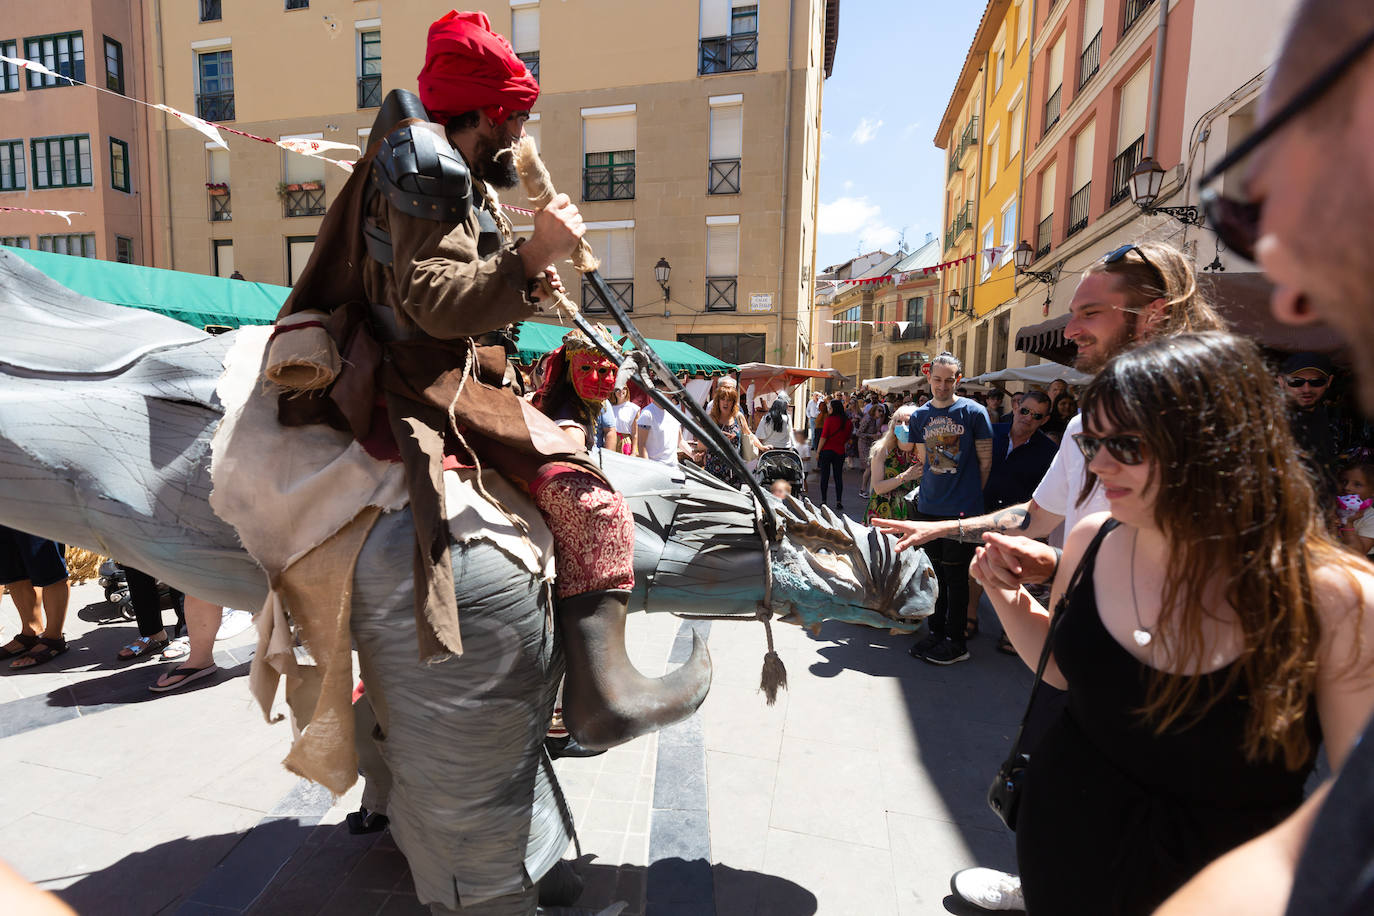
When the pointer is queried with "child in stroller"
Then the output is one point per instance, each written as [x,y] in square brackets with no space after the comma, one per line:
[781,464]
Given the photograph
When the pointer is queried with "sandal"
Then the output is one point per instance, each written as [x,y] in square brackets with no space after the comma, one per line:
[144,645]
[44,651]
[183,677]
[176,650]
[1004,645]
[26,642]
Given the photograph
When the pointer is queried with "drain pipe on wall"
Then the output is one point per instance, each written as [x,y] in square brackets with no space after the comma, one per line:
[786,179]
[1157,81]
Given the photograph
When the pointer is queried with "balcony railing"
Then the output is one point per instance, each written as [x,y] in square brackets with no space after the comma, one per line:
[1042,236]
[726,55]
[963,220]
[215,106]
[304,201]
[1078,209]
[1052,108]
[912,332]
[623,290]
[220,210]
[954,157]
[609,176]
[1122,167]
[370,91]
[531,61]
[1133,10]
[970,135]
[721,293]
[1090,60]
[723,177]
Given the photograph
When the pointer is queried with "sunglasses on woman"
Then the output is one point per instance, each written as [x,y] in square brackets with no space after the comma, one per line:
[1236,222]
[1125,449]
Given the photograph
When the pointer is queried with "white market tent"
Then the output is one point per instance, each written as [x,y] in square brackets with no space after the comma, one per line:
[1042,374]
[896,382]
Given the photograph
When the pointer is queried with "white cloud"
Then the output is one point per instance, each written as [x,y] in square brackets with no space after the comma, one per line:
[848,185]
[847,215]
[866,131]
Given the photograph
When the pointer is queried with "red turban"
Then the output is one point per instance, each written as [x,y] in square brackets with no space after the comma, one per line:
[470,67]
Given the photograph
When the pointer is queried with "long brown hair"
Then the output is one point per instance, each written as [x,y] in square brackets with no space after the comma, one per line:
[721,417]
[1242,521]
[1168,275]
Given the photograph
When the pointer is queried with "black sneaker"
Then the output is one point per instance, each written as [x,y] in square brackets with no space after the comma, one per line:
[924,645]
[946,653]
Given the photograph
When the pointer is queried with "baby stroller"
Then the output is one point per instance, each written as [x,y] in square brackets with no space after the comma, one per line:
[784,463]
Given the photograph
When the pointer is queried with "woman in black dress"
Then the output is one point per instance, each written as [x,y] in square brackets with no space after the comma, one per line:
[1215,636]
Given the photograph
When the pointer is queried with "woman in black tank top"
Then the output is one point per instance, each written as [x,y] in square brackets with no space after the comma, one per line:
[1211,639]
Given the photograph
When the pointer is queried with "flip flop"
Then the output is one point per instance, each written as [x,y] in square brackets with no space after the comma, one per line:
[144,645]
[187,676]
[44,651]
[26,642]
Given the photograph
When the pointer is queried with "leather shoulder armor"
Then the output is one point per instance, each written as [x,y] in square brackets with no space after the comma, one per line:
[419,173]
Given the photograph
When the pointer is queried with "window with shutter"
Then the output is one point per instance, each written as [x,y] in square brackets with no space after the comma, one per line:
[608,146]
[726,145]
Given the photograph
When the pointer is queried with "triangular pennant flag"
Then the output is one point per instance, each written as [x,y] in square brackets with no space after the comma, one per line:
[902,326]
[343,164]
[33,65]
[205,127]
[309,147]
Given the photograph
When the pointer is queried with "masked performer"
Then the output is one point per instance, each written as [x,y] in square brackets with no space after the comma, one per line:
[416,280]
[577,380]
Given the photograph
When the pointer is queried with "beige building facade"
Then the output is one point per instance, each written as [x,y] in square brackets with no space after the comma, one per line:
[69,147]
[691,135]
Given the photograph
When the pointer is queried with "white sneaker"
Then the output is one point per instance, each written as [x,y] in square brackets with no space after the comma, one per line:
[988,888]
[232,623]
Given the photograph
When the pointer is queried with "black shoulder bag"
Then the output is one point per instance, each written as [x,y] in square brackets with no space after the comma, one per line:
[1004,795]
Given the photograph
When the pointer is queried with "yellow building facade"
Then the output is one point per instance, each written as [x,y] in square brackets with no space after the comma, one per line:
[983,183]
[685,132]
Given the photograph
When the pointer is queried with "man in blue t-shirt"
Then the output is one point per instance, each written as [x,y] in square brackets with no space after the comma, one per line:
[954,445]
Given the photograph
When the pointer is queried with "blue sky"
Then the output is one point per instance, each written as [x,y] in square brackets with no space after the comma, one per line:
[881,174]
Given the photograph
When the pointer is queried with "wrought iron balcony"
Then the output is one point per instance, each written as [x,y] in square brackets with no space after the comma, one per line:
[531,61]
[220,209]
[609,176]
[721,293]
[912,332]
[963,220]
[969,138]
[1042,236]
[1052,108]
[623,290]
[1078,209]
[1122,167]
[1133,10]
[727,55]
[1090,60]
[954,161]
[370,91]
[723,177]
[306,199]
[209,10]
[215,106]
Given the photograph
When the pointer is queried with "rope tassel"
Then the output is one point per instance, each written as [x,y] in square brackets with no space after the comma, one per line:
[774,671]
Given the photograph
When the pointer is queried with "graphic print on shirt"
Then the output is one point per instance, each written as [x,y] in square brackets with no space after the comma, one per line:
[941,437]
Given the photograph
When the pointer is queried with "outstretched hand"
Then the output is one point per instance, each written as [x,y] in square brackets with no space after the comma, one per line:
[1009,562]
[908,534]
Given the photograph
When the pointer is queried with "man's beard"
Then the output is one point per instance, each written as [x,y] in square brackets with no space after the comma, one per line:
[495,165]
[1092,363]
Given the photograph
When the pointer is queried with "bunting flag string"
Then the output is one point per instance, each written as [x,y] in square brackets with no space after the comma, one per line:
[899,277]
[314,149]
[65,214]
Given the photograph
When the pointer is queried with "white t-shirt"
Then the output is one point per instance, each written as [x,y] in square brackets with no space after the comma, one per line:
[1058,490]
[625,417]
[660,442]
[813,409]
[1364,525]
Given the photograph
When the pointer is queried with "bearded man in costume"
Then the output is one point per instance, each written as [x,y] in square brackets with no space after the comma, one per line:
[416,282]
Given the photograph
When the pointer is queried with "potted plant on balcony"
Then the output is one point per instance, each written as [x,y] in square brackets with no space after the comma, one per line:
[217,189]
[310,186]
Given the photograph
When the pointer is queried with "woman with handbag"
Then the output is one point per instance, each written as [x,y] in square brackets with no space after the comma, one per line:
[725,413]
[1209,631]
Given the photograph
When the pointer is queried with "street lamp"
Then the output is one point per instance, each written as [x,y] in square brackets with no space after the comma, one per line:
[1022,257]
[661,272]
[1145,183]
[956,304]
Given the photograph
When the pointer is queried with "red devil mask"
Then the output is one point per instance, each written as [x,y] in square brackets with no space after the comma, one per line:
[592,375]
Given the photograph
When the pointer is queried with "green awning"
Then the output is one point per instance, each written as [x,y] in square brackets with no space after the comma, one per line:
[535,339]
[196,299]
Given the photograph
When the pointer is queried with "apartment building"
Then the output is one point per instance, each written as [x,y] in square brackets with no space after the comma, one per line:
[1109,79]
[69,147]
[853,307]
[688,134]
[912,297]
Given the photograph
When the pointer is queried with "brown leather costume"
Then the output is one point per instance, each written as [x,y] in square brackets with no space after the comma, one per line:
[449,287]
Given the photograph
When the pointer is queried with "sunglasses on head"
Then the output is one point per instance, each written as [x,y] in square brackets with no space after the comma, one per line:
[1119,254]
[1302,382]
[1027,412]
[1236,222]
[1125,449]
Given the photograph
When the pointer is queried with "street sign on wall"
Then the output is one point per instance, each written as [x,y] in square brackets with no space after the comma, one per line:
[761,302]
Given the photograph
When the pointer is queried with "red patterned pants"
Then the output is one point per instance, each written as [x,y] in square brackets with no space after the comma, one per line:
[593,531]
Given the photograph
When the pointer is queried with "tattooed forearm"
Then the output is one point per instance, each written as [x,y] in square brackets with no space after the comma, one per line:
[1010,519]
